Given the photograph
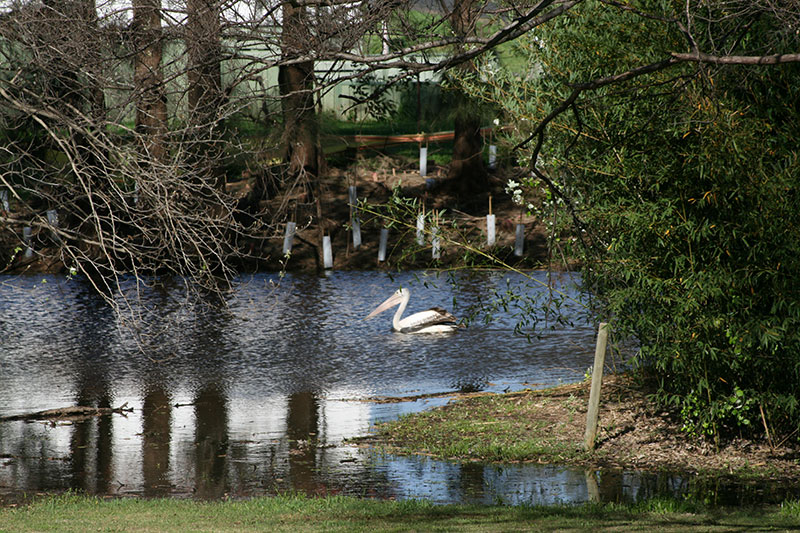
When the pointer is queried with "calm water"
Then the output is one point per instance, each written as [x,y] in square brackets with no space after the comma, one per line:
[259,399]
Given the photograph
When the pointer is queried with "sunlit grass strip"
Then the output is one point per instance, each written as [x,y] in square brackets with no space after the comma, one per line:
[484,429]
[295,513]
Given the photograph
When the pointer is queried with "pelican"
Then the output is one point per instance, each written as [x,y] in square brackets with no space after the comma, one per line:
[434,320]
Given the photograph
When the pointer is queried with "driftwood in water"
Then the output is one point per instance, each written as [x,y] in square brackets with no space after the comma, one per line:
[70,413]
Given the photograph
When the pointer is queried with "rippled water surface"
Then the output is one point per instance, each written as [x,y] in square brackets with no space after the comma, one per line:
[259,399]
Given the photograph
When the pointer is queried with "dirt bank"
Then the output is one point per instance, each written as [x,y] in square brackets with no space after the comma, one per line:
[462,217]
[547,426]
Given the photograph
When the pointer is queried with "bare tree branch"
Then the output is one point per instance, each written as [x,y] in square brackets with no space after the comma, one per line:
[699,57]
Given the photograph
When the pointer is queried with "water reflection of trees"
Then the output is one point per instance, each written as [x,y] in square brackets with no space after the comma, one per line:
[211,442]
[208,351]
[301,430]
[156,437]
[91,449]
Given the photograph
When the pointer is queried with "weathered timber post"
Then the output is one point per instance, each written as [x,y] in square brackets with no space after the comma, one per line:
[597,382]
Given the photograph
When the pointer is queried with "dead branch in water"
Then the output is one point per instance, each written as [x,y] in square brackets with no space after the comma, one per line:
[70,413]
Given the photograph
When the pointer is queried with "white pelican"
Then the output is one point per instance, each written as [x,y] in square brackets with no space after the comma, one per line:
[434,320]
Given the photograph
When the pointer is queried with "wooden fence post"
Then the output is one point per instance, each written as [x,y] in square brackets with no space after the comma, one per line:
[597,382]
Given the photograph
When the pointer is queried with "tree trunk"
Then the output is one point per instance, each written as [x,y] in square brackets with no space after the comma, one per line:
[296,83]
[97,99]
[71,31]
[148,79]
[301,132]
[204,54]
[467,164]
[93,155]
[303,152]
[205,96]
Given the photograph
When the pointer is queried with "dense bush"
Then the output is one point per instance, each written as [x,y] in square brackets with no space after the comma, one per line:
[684,183]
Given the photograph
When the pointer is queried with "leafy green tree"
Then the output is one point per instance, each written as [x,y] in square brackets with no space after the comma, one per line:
[679,174]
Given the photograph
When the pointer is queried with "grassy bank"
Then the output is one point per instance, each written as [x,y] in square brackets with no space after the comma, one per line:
[547,426]
[298,514]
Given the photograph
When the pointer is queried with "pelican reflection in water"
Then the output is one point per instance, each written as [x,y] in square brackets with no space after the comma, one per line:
[434,320]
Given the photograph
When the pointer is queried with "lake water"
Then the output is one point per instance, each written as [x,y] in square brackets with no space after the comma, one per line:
[260,399]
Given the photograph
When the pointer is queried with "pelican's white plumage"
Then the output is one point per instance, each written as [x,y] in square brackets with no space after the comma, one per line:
[434,320]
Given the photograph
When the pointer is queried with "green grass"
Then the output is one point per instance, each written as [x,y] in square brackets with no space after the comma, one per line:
[72,513]
[485,429]
[791,508]
[331,125]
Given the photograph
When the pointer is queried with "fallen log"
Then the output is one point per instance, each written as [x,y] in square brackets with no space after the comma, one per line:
[70,413]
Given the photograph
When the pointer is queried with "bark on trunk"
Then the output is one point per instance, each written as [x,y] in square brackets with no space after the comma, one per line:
[205,95]
[204,54]
[151,100]
[467,163]
[296,82]
[301,129]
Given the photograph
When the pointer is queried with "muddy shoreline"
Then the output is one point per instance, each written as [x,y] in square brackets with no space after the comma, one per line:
[634,434]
